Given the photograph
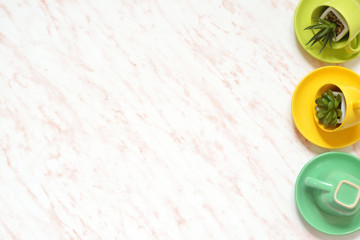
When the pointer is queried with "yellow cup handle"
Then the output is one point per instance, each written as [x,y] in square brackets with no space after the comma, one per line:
[356,104]
[354,45]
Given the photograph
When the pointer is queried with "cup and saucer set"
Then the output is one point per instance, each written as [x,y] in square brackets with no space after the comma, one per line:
[327,189]
[344,50]
[327,193]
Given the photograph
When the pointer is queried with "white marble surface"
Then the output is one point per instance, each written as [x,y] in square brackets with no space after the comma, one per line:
[151,120]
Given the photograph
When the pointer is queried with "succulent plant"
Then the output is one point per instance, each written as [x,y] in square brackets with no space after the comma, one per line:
[327,108]
[326,33]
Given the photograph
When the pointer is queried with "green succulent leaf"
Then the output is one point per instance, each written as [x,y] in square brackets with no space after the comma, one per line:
[333,122]
[326,39]
[316,26]
[338,113]
[325,101]
[315,41]
[330,93]
[331,98]
[331,105]
[324,21]
[333,115]
[330,43]
[327,119]
[337,100]
[321,114]
[317,36]
[320,102]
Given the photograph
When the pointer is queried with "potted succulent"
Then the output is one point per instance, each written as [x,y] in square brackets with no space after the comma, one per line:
[332,27]
[330,108]
[330,14]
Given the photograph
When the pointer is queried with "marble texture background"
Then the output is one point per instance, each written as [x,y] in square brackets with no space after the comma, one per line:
[151,120]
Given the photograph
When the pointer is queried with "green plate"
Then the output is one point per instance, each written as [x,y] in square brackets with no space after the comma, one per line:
[302,20]
[320,167]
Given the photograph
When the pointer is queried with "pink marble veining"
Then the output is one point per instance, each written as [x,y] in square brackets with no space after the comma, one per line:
[151,120]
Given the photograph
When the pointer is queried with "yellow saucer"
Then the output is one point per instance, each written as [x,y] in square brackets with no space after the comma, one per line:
[302,107]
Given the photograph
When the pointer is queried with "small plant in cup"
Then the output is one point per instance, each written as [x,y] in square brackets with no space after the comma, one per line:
[332,27]
[328,108]
[334,16]
[326,33]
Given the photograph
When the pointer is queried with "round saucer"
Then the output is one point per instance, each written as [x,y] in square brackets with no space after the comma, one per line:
[302,20]
[320,167]
[302,107]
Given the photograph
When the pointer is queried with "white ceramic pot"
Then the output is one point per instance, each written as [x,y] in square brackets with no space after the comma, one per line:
[341,19]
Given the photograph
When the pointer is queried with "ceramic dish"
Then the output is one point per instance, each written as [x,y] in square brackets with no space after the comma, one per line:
[303,102]
[320,167]
[302,20]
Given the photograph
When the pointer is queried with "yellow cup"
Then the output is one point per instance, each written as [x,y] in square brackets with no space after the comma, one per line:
[352,103]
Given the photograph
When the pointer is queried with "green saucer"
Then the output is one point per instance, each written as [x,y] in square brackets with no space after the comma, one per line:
[302,20]
[320,167]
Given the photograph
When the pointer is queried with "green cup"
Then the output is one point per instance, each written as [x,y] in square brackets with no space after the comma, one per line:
[350,11]
[338,195]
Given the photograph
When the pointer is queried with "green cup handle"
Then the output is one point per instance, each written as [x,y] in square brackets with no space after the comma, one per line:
[354,45]
[318,184]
